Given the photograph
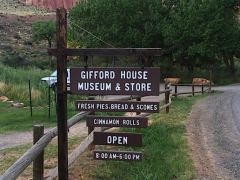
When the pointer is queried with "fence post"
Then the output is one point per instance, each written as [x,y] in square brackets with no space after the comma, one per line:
[90,129]
[38,132]
[49,102]
[61,39]
[30,96]
[138,99]
[210,87]
[176,90]
[167,94]
[210,79]
[202,88]
[193,93]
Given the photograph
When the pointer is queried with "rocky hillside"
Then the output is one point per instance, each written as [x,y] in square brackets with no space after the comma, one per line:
[16,20]
[18,7]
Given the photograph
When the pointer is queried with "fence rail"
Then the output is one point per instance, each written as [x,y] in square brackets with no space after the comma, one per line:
[23,162]
[204,88]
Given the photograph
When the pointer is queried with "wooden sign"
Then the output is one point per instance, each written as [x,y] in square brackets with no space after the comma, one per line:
[117,106]
[118,156]
[117,139]
[115,81]
[117,121]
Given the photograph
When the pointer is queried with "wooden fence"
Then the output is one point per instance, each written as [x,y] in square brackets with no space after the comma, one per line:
[204,88]
[35,153]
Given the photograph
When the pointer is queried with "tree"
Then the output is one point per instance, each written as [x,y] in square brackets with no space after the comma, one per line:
[121,23]
[44,30]
[201,32]
[191,33]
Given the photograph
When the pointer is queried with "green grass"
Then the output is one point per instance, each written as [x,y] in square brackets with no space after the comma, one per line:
[14,84]
[165,151]
[19,119]
[9,156]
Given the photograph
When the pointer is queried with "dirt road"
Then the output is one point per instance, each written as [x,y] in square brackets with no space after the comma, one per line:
[214,135]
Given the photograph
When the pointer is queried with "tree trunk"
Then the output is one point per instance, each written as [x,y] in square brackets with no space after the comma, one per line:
[232,65]
[225,60]
[49,43]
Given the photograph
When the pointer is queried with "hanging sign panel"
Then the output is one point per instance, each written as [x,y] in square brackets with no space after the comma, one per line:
[115,81]
[117,121]
[117,139]
[118,156]
[117,106]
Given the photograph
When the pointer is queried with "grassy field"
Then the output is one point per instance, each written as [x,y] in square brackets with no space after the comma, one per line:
[165,150]
[14,84]
[19,119]
[16,120]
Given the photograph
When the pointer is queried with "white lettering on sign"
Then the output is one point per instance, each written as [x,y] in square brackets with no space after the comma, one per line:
[102,106]
[138,87]
[117,156]
[134,75]
[150,107]
[106,122]
[115,81]
[131,122]
[97,74]
[114,106]
[86,86]
[86,106]
[117,140]
[119,106]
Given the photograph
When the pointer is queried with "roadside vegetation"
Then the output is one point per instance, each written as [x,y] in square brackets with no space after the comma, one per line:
[14,84]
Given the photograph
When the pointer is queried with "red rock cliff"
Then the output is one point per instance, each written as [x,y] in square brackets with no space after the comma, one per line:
[52,4]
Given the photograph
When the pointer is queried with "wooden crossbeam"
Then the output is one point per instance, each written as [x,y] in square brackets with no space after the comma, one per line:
[144,52]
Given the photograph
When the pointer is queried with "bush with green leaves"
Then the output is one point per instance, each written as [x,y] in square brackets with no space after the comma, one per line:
[44,30]
[15,60]
[122,23]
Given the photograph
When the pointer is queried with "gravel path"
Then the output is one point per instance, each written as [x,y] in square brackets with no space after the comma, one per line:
[214,132]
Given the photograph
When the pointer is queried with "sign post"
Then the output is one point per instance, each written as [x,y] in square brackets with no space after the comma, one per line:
[62,94]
